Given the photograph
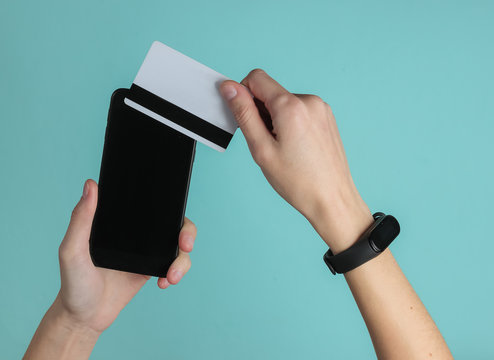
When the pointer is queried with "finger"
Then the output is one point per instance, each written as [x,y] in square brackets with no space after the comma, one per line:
[264,87]
[246,114]
[187,236]
[76,240]
[163,283]
[178,268]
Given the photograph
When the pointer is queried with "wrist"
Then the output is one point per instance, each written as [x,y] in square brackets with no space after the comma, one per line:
[60,316]
[60,337]
[341,221]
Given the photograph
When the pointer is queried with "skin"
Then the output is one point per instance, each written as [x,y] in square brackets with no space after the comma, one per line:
[90,298]
[304,160]
[295,141]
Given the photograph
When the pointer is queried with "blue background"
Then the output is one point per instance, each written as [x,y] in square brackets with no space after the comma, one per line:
[411,85]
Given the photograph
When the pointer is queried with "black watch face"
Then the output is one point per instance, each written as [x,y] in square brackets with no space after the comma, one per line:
[384,233]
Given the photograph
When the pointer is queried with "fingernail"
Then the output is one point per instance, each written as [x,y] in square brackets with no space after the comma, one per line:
[85,191]
[177,275]
[228,92]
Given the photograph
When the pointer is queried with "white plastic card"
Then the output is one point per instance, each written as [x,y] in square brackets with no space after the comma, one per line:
[183,94]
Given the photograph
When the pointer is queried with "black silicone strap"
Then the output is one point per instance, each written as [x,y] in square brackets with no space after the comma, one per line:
[356,255]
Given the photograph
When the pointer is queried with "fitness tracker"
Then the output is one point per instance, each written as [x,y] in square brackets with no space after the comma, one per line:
[372,242]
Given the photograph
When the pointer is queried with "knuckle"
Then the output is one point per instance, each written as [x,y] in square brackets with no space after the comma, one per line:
[189,223]
[61,251]
[75,212]
[251,77]
[281,101]
[64,253]
[315,100]
[329,109]
[184,263]
[294,105]
[262,155]
[193,227]
[187,266]
[256,72]
[80,210]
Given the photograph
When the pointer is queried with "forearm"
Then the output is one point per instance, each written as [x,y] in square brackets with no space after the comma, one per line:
[398,323]
[58,338]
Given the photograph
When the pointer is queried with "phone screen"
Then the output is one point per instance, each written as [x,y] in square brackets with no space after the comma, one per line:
[143,186]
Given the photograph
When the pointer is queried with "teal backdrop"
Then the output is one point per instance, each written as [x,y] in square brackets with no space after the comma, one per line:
[411,85]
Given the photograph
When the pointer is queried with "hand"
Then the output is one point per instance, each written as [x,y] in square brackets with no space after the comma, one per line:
[295,141]
[90,296]
[299,150]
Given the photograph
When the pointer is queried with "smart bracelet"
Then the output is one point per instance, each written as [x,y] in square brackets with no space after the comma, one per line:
[372,242]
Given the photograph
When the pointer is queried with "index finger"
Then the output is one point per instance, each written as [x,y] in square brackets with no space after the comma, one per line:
[263,86]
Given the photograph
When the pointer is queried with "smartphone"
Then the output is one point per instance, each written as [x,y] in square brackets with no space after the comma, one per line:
[142,192]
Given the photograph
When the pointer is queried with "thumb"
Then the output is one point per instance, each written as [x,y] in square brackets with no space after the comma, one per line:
[241,103]
[76,240]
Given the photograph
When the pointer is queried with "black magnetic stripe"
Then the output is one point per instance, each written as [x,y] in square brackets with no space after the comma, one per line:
[179,116]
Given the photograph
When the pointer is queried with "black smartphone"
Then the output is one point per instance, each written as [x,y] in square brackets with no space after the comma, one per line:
[142,192]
